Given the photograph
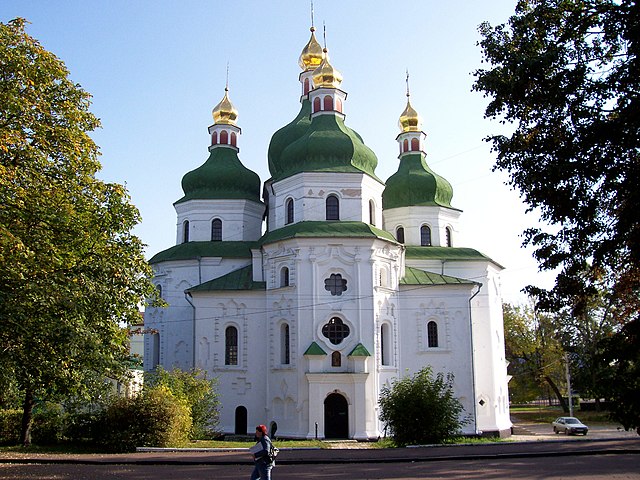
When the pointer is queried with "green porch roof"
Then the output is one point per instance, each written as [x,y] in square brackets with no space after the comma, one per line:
[326,229]
[359,351]
[193,250]
[241,279]
[415,276]
[314,349]
[446,253]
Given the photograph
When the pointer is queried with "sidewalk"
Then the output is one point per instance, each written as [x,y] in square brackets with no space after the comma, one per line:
[512,449]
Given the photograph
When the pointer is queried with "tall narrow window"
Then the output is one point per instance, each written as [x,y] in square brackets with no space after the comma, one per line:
[328,103]
[316,104]
[425,236]
[385,344]
[447,233]
[224,137]
[234,139]
[400,234]
[405,145]
[432,334]
[338,105]
[372,213]
[332,208]
[289,211]
[284,344]
[231,346]
[185,231]
[415,144]
[306,86]
[216,230]
[155,355]
[284,277]
[214,138]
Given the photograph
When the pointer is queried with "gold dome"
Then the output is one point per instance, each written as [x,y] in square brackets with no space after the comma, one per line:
[312,54]
[325,75]
[225,113]
[410,121]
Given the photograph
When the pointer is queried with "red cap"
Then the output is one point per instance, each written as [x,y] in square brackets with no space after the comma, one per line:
[262,428]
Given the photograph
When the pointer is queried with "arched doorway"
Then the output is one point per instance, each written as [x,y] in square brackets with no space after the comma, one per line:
[336,416]
[241,421]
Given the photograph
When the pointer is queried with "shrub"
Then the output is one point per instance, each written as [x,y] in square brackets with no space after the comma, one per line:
[48,423]
[10,422]
[153,418]
[422,409]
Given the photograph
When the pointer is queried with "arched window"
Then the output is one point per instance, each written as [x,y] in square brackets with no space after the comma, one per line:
[338,105]
[400,234]
[328,103]
[405,145]
[155,351]
[284,344]
[385,344]
[234,138]
[185,231]
[432,334]
[415,144]
[284,277]
[425,236]
[224,137]
[214,138]
[289,211]
[372,213]
[332,208]
[306,86]
[336,359]
[216,230]
[447,236]
[231,346]
[159,287]
[316,104]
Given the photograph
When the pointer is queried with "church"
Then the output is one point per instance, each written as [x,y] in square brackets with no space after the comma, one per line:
[305,295]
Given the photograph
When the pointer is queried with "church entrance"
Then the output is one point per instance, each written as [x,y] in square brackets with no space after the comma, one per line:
[336,417]
[241,421]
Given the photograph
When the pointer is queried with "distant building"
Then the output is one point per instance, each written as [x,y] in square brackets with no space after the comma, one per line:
[354,283]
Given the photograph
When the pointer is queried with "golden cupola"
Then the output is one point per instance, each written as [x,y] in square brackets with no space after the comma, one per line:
[409,120]
[225,113]
[312,54]
[325,76]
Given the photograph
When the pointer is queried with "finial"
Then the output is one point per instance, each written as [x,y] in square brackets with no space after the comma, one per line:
[313,28]
[408,83]
[226,84]
[324,35]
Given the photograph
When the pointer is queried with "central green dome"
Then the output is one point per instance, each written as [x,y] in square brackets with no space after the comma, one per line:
[286,136]
[415,184]
[221,177]
[327,145]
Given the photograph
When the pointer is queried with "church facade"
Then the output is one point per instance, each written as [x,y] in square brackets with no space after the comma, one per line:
[306,294]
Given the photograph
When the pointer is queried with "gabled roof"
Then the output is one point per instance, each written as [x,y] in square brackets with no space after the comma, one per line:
[359,351]
[241,279]
[325,229]
[314,349]
[415,276]
[446,253]
[193,250]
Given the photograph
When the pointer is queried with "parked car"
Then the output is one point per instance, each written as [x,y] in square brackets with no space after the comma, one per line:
[569,425]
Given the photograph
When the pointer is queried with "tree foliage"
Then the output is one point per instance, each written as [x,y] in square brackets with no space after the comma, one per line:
[196,391]
[422,409]
[72,274]
[566,75]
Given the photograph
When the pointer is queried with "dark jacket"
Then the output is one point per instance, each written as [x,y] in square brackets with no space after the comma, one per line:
[263,455]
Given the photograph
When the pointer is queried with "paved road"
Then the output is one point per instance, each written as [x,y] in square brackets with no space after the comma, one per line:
[587,459]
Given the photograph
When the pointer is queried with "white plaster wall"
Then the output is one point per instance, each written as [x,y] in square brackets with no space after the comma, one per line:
[412,218]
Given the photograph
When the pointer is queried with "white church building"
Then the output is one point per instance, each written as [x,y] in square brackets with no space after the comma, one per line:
[307,294]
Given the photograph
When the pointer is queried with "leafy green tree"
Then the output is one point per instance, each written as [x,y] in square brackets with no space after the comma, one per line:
[535,355]
[565,75]
[196,391]
[72,275]
[422,409]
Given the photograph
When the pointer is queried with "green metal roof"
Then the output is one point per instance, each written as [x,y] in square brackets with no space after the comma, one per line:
[241,279]
[314,349]
[326,229]
[445,253]
[415,276]
[359,351]
[327,145]
[286,136]
[415,184]
[193,250]
[222,176]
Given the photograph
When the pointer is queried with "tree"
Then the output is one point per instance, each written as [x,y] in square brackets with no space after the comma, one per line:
[535,354]
[72,275]
[196,391]
[565,74]
[422,409]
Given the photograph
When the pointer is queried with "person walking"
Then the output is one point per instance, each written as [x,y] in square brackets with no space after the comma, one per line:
[263,464]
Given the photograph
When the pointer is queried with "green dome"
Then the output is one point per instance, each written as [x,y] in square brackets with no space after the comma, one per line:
[286,136]
[328,145]
[221,177]
[415,184]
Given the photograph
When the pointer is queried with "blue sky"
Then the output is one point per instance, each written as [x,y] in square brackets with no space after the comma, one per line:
[157,68]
